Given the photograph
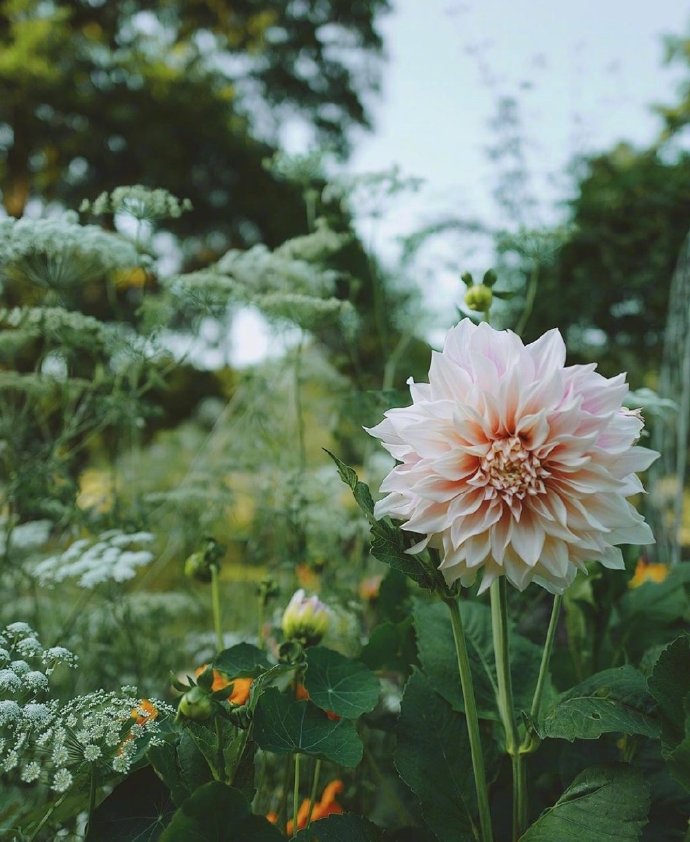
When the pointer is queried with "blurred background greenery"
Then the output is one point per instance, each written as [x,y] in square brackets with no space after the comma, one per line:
[121,405]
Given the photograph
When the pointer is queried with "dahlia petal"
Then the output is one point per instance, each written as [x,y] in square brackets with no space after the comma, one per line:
[527,540]
[548,352]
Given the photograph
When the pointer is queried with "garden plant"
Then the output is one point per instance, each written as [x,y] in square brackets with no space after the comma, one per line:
[219,630]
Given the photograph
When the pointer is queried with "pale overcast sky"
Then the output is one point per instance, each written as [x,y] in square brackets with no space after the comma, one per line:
[585,73]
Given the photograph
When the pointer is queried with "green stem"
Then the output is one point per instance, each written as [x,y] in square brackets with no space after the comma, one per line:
[92,801]
[314,787]
[499,629]
[472,720]
[532,285]
[546,657]
[530,742]
[215,604]
[221,753]
[295,797]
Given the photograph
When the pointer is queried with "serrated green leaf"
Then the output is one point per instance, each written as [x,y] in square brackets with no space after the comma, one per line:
[432,759]
[603,804]
[241,661]
[360,490]
[437,655]
[609,701]
[669,683]
[218,813]
[284,726]
[336,683]
[164,760]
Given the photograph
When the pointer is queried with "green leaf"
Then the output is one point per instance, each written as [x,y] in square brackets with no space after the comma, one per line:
[603,804]
[432,758]
[388,542]
[439,661]
[342,828]
[241,661]
[669,683]
[609,701]
[136,811]
[391,646]
[218,813]
[164,760]
[360,490]
[658,603]
[284,725]
[338,684]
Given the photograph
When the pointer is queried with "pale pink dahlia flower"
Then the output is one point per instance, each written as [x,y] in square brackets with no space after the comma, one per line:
[513,463]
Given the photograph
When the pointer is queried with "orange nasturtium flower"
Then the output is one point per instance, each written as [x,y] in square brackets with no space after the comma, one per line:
[327,805]
[646,572]
[240,686]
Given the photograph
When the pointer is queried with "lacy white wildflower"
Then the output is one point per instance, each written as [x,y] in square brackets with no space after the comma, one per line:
[139,202]
[512,463]
[92,563]
[59,253]
[24,536]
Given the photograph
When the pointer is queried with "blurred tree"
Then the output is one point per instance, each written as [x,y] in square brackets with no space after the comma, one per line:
[607,285]
[189,95]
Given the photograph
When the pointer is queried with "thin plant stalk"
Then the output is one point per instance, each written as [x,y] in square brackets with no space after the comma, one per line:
[529,744]
[215,605]
[314,787]
[295,797]
[499,629]
[546,657]
[472,721]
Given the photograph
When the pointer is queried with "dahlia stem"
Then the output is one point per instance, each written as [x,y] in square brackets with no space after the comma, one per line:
[499,629]
[529,743]
[472,720]
[546,657]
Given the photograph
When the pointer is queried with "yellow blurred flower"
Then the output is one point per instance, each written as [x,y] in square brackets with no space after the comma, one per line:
[646,572]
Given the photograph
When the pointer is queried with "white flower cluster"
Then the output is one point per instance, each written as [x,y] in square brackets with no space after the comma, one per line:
[290,283]
[60,252]
[57,745]
[139,202]
[24,536]
[110,558]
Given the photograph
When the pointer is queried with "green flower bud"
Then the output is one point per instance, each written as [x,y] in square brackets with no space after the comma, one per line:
[305,619]
[490,278]
[479,297]
[466,278]
[198,565]
[196,704]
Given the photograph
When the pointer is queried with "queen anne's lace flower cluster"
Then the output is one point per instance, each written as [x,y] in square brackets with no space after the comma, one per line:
[57,745]
[59,252]
[108,559]
[514,464]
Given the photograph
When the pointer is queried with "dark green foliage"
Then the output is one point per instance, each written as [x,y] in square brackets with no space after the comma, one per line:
[603,804]
[432,758]
[613,272]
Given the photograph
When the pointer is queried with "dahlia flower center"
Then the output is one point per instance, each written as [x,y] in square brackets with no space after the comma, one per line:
[509,469]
